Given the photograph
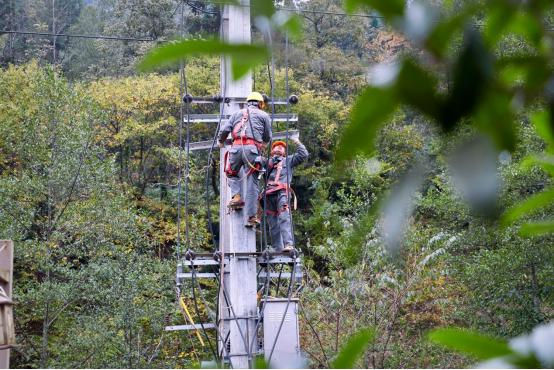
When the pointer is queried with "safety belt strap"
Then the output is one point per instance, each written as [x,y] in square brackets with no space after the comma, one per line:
[240,129]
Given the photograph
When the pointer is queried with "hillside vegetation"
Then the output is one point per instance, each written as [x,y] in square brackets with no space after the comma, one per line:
[89,159]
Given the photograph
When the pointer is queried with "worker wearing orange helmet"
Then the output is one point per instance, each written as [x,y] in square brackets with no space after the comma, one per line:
[279,171]
[250,129]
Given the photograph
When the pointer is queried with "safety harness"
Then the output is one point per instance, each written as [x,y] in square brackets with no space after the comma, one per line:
[276,185]
[239,138]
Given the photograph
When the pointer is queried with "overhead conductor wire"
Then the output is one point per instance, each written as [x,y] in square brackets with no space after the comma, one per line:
[194,280]
[263,240]
[185,107]
[221,284]
[293,272]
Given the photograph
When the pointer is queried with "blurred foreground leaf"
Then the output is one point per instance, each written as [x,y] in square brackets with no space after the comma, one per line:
[475,175]
[528,206]
[388,8]
[497,21]
[260,363]
[495,118]
[290,23]
[541,120]
[537,228]
[545,162]
[369,113]
[416,87]
[264,8]
[398,208]
[353,349]
[472,76]
[475,344]
[442,34]
[243,56]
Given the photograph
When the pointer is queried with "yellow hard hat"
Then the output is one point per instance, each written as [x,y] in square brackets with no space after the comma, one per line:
[255,96]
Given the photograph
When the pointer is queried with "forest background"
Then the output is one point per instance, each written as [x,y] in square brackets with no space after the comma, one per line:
[89,167]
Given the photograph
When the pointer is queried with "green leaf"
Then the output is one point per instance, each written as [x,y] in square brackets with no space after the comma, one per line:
[439,38]
[260,363]
[473,74]
[416,87]
[495,117]
[480,346]
[293,25]
[530,205]
[243,56]
[537,228]
[526,25]
[498,19]
[264,8]
[525,362]
[353,349]
[546,163]
[240,65]
[534,69]
[541,120]
[371,110]
[388,8]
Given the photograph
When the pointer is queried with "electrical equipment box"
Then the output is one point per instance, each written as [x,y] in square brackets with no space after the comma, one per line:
[281,333]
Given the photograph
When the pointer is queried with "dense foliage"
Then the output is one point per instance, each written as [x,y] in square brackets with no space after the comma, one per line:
[89,169]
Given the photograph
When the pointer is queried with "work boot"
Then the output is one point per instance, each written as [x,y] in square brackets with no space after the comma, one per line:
[236,202]
[253,221]
[288,248]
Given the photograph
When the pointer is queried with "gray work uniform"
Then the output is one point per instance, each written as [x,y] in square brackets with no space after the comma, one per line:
[277,200]
[241,158]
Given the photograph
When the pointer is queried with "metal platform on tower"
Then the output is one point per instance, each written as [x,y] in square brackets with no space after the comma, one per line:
[207,266]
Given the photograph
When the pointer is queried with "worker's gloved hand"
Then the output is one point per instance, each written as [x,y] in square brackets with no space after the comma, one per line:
[295,140]
[221,144]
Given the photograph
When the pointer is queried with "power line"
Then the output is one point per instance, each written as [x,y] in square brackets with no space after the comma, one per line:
[102,37]
[122,38]
[199,9]
[325,12]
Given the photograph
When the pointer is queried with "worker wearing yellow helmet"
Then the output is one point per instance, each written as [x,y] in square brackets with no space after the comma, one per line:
[255,97]
[250,129]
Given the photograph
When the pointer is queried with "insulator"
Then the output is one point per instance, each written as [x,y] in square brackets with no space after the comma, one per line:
[217,98]
[293,99]
[217,256]
[293,254]
[187,98]
[227,100]
[190,255]
[266,255]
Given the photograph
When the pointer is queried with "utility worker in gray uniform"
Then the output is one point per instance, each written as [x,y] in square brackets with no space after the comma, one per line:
[279,169]
[250,129]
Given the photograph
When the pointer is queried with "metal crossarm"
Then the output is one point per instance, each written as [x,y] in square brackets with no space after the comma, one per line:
[293,99]
[262,276]
[207,144]
[207,117]
[190,327]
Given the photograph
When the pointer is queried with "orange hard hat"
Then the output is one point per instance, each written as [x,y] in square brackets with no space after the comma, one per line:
[278,142]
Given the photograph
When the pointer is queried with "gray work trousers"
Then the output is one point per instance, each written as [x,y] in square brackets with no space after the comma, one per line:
[241,158]
[278,219]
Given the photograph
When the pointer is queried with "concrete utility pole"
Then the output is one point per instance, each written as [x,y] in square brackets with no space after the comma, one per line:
[239,312]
